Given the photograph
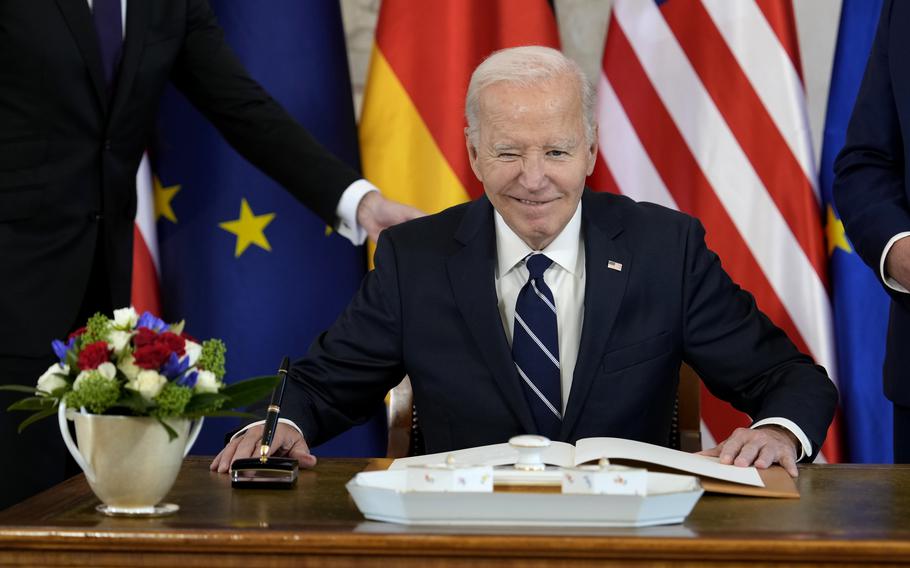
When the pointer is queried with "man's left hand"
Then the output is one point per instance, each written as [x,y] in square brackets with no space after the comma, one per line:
[375,213]
[761,447]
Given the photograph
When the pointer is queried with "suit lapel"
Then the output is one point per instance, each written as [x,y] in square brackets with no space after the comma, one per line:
[604,290]
[79,20]
[137,21]
[471,274]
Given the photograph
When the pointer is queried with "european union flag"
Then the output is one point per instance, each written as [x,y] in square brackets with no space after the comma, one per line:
[241,259]
[860,304]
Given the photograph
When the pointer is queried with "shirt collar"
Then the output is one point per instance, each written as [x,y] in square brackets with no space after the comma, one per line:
[510,249]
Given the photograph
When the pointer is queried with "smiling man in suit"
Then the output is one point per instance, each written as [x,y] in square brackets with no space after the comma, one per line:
[80,82]
[545,308]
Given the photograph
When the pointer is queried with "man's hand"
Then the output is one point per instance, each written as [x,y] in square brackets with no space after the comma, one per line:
[375,213]
[287,442]
[761,447]
[897,263]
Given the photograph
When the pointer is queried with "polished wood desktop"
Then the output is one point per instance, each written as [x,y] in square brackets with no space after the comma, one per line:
[847,514]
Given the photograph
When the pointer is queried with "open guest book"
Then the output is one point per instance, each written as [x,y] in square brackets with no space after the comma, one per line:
[714,476]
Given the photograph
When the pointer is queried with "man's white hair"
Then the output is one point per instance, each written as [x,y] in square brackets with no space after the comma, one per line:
[527,66]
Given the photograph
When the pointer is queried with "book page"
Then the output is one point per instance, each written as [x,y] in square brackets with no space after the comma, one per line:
[559,453]
[589,449]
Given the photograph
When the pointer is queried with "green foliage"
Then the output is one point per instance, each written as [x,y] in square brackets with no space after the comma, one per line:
[171,433]
[172,400]
[18,388]
[177,328]
[245,393]
[97,328]
[36,417]
[32,403]
[95,393]
[72,359]
[204,404]
[212,357]
[134,402]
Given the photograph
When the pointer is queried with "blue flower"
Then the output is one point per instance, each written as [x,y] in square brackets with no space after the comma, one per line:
[61,349]
[189,379]
[174,367]
[155,324]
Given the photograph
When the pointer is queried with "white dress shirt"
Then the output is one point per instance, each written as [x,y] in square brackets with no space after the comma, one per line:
[891,282]
[346,212]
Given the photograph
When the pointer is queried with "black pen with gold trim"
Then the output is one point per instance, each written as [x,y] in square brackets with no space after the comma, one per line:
[271,418]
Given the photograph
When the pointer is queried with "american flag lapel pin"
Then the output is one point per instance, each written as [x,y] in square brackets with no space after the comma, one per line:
[613,265]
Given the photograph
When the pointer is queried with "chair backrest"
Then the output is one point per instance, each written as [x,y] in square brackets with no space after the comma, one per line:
[404,426]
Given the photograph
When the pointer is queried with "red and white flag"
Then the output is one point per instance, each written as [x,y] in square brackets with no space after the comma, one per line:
[702,108]
[146,270]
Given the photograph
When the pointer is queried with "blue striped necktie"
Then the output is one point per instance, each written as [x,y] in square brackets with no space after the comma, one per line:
[535,348]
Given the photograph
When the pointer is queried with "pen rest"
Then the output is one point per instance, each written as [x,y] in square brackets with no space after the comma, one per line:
[273,473]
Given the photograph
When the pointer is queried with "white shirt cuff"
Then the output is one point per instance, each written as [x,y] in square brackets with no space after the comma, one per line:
[346,212]
[793,429]
[891,282]
[280,420]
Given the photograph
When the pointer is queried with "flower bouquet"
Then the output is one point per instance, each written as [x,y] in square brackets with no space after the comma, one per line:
[118,380]
[138,366]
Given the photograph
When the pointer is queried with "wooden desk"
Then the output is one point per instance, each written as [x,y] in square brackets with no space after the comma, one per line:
[848,514]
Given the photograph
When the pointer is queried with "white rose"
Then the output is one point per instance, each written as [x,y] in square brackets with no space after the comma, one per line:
[51,379]
[206,381]
[149,383]
[193,351]
[107,370]
[80,378]
[128,366]
[125,318]
[118,340]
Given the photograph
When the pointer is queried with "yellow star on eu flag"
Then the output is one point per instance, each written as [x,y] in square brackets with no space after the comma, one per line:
[837,238]
[249,229]
[163,197]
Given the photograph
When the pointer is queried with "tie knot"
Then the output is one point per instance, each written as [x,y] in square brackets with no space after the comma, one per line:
[537,264]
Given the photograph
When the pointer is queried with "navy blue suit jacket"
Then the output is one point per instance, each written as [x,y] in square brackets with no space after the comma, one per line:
[871,183]
[429,309]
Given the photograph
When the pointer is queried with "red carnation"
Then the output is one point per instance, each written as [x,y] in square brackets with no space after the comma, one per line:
[173,342]
[93,355]
[144,336]
[151,356]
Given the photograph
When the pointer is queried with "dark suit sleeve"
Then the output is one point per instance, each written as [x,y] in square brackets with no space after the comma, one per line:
[208,72]
[352,366]
[741,356]
[869,172]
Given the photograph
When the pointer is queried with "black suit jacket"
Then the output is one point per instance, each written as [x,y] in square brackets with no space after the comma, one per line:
[872,183]
[429,309]
[69,151]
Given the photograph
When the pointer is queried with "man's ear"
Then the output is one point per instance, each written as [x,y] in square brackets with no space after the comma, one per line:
[592,152]
[472,155]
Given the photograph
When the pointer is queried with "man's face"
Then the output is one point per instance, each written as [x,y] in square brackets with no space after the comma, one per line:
[531,155]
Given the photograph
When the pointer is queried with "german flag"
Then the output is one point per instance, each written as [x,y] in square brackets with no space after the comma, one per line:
[412,128]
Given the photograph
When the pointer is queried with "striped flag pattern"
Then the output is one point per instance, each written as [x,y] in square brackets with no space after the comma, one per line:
[412,129]
[145,294]
[702,108]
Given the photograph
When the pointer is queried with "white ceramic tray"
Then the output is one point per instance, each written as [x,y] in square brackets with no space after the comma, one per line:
[381,496]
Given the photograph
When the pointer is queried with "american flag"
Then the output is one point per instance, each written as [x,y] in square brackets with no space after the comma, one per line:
[702,108]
